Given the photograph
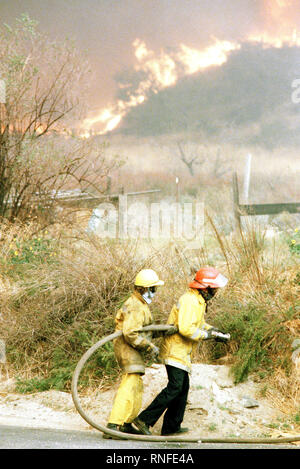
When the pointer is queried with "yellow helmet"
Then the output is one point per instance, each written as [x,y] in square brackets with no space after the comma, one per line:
[147,278]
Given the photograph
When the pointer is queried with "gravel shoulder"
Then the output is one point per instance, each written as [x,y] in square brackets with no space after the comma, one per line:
[216,407]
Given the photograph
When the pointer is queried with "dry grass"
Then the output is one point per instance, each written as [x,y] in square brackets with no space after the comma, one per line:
[55,308]
[264,291]
[284,391]
[274,175]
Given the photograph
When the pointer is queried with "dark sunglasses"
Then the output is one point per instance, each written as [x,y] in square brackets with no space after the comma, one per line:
[153,289]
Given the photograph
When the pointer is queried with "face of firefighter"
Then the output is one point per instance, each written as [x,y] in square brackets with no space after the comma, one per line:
[208,293]
[149,294]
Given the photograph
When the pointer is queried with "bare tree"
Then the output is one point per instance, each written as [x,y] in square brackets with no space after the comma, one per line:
[45,85]
[190,156]
[219,168]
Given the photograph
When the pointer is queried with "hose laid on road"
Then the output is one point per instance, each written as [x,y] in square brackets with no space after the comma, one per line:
[153,438]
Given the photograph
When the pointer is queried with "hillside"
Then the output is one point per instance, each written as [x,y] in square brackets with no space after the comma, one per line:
[247,100]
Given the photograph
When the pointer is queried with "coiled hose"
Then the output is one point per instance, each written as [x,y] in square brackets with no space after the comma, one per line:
[154,438]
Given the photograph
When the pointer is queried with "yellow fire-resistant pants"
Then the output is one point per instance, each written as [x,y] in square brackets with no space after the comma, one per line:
[128,400]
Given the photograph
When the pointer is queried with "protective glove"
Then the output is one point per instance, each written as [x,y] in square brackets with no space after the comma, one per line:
[172,330]
[153,350]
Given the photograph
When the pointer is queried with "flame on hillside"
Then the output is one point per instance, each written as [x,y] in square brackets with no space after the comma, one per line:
[268,40]
[280,24]
[164,69]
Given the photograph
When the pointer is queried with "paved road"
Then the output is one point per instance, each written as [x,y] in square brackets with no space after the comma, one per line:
[35,438]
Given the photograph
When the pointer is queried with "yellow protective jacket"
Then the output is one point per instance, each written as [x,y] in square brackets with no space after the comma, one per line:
[131,317]
[188,316]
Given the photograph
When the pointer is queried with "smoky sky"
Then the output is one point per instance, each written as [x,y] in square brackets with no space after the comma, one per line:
[106,29]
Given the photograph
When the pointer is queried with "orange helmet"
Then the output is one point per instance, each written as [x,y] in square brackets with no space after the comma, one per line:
[208,277]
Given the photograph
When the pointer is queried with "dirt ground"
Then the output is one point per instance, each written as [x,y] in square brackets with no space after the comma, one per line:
[216,407]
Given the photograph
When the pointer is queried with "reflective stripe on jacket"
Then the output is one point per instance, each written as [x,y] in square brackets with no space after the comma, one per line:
[131,317]
[188,316]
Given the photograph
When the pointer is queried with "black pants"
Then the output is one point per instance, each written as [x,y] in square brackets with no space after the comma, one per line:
[173,398]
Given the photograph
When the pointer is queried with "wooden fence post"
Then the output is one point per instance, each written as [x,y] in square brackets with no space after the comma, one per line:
[257,209]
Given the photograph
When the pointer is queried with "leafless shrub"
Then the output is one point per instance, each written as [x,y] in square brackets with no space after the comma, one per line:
[45,90]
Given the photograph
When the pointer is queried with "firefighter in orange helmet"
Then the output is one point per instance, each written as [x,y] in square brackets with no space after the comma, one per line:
[177,349]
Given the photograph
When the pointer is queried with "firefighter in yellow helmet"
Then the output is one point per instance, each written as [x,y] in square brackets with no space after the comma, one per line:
[188,316]
[132,316]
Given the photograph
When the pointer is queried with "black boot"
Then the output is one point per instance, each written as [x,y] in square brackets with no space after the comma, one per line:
[128,428]
[141,426]
[112,426]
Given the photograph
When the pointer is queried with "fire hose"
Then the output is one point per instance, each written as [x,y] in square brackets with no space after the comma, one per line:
[153,438]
